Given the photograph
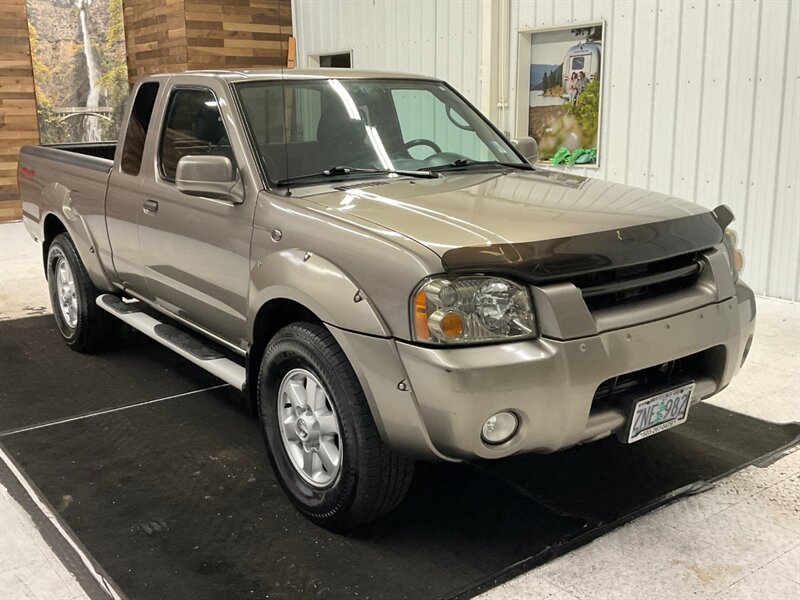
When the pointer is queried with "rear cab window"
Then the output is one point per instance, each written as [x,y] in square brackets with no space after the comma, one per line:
[138,123]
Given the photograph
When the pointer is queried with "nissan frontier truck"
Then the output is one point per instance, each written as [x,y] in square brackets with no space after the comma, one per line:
[386,275]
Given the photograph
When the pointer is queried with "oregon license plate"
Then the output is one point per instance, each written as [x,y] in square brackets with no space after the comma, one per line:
[659,413]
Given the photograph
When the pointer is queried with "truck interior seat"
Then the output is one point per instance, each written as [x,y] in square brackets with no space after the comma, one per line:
[208,137]
[338,129]
[208,126]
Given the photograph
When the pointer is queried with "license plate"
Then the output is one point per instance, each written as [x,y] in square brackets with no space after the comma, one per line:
[659,413]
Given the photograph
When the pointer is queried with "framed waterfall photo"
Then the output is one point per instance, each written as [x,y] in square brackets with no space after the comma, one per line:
[560,83]
[79,68]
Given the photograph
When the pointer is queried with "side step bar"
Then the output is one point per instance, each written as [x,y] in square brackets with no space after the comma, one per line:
[188,346]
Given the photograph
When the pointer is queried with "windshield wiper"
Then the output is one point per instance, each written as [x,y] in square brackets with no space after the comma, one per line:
[465,163]
[341,170]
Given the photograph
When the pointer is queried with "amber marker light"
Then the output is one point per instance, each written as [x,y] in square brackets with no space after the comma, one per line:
[447,325]
[421,316]
[451,325]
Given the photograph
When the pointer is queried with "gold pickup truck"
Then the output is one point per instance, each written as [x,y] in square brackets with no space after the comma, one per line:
[386,275]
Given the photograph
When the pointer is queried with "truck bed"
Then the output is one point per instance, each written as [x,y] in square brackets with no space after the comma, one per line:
[96,156]
[69,183]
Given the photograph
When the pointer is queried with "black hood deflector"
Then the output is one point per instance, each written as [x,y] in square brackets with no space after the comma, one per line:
[559,259]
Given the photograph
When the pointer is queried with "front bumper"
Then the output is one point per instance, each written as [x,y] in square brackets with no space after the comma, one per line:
[431,403]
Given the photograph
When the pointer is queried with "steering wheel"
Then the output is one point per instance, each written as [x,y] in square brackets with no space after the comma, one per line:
[422,142]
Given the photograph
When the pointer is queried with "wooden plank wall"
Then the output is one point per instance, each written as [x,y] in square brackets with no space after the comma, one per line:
[155,35]
[174,35]
[237,33]
[18,125]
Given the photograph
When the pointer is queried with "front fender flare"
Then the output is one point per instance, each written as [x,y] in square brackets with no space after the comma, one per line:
[319,285]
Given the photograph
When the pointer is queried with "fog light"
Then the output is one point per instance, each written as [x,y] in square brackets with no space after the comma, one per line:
[499,428]
[738,260]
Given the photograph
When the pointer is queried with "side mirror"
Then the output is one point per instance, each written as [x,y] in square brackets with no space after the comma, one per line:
[212,176]
[724,215]
[528,148]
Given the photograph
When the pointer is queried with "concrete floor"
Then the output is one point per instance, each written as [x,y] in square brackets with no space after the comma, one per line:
[28,566]
[738,540]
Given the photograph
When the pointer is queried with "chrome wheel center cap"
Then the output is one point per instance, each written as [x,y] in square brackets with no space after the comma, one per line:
[302,429]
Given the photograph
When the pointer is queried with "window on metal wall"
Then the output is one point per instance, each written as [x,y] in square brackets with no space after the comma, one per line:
[336,61]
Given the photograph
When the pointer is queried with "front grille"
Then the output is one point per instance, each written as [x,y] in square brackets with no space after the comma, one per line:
[614,392]
[613,287]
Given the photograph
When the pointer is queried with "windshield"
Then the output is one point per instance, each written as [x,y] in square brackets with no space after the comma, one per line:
[302,128]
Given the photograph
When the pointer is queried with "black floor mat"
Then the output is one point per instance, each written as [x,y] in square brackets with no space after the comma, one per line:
[50,382]
[176,499]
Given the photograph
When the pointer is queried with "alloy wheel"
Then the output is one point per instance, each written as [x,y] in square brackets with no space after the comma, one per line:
[309,428]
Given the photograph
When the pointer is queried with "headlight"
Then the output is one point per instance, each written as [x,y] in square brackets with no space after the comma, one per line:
[464,310]
[735,255]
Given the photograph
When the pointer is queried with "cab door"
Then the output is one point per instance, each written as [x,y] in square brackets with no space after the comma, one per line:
[196,250]
[123,203]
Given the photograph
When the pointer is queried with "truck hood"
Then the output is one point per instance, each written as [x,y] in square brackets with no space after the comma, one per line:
[496,219]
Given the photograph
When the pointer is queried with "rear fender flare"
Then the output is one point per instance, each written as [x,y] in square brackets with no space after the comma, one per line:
[57,202]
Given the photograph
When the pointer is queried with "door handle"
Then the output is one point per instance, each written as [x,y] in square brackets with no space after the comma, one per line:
[150,207]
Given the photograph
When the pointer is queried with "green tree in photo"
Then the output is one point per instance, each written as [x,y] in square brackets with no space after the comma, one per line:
[586,110]
[114,66]
[52,129]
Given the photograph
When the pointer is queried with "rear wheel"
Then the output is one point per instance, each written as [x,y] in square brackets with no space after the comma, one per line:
[83,325]
[323,443]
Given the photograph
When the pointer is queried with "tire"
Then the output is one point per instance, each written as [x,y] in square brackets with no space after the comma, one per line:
[84,326]
[369,479]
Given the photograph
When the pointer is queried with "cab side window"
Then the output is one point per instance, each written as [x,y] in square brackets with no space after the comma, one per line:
[139,121]
[193,125]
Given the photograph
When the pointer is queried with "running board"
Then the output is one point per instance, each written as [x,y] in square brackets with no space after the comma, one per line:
[190,347]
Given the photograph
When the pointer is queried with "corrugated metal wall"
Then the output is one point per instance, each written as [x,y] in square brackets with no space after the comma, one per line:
[701,102]
[432,37]
[700,98]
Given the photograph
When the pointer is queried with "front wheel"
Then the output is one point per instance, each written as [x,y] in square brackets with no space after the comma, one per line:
[322,441]
[83,325]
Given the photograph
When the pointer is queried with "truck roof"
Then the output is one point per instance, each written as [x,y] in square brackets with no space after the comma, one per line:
[257,74]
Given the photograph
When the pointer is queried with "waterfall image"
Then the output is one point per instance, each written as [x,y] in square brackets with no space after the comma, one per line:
[79,66]
[92,131]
